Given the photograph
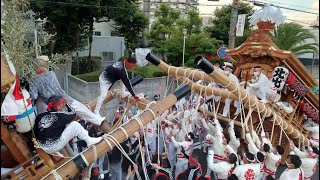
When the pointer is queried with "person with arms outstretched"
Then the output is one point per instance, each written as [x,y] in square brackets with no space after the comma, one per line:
[113,73]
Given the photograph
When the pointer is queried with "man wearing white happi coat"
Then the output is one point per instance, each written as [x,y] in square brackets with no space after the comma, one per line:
[273,157]
[228,68]
[247,170]
[182,161]
[313,129]
[223,169]
[309,161]
[234,142]
[151,135]
[259,157]
[293,172]
[171,130]
[262,87]
[218,146]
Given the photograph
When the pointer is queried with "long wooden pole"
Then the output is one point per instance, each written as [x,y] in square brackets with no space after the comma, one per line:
[134,81]
[73,166]
[220,78]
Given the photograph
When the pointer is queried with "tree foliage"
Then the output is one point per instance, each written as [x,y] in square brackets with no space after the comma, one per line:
[166,36]
[18,39]
[293,37]
[129,20]
[221,23]
[163,28]
[72,17]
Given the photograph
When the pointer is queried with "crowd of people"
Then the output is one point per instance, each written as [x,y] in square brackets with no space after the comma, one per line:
[164,149]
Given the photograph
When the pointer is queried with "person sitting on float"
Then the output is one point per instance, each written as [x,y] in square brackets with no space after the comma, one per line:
[55,128]
[262,87]
[46,84]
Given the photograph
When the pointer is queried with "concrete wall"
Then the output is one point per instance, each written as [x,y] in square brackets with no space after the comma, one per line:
[88,91]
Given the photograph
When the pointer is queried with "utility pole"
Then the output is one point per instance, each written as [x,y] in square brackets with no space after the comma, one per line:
[233,23]
[146,10]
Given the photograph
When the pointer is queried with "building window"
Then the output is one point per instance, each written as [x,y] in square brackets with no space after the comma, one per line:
[96,33]
[107,56]
[114,33]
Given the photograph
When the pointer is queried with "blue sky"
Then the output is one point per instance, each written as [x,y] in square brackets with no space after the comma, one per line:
[306,5]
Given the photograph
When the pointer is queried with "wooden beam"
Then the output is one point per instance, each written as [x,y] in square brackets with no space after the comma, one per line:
[13,146]
[69,169]
[220,78]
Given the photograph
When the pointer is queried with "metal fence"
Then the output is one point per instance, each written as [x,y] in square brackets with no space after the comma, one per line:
[88,91]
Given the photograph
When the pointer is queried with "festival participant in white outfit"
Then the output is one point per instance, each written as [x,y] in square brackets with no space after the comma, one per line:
[182,161]
[151,135]
[273,158]
[234,141]
[46,84]
[259,157]
[112,74]
[263,87]
[223,169]
[55,128]
[228,69]
[293,172]
[309,161]
[171,130]
[313,129]
[218,145]
[247,170]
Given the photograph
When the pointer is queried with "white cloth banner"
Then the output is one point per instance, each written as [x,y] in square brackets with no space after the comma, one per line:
[141,54]
[240,24]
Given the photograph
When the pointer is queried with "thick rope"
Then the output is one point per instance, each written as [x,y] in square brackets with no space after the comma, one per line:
[55,174]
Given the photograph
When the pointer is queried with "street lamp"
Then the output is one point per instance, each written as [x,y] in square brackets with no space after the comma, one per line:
[184,31]
[37,22]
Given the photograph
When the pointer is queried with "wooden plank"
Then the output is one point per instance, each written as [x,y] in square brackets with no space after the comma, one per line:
[12,146]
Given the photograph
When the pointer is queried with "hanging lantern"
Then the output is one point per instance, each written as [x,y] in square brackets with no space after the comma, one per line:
[290,79]
[279,77]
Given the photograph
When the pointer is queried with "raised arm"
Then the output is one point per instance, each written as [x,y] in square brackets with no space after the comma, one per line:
[206,126]
[255,138]
[218,129]
[233,138]
[297,151]
[251,146]
[216,167]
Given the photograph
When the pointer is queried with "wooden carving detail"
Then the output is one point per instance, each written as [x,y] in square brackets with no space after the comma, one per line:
[262,34]
[259,36]
[257,51]
[268,60]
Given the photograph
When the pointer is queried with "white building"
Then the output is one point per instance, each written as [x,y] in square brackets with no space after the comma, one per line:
[105,44]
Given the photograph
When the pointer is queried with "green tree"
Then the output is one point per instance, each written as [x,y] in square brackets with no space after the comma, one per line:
[130,21]
[163,28]
[292,37]
[72,21]
[221,23]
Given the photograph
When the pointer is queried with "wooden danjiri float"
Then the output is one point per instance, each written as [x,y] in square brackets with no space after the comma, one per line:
[294,87]
[292,79]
